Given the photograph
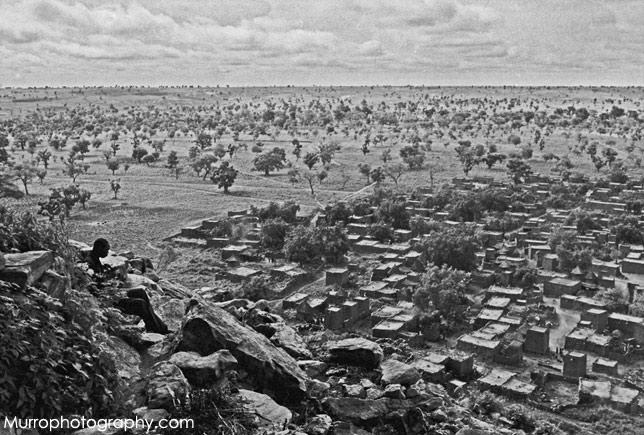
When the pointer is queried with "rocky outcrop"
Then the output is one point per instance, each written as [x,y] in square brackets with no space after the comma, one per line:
[396,372]
[25,268]
[286,338]
[202,371]
[357,352]
[165,384]
[207,329]
[366,412]
[268,414]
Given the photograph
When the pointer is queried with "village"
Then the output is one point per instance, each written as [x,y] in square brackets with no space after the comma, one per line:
[550,344]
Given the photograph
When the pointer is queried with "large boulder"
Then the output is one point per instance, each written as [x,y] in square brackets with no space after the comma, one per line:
[164,384]
[202,371]
[319,425]
[357,352]
[367,412]
[268,414]
[396,372]
[289,340]
[207,329]
[25,268]
[54,285]
[118,266]
[3,261]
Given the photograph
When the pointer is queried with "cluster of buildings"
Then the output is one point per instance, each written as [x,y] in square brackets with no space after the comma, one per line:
[511,324]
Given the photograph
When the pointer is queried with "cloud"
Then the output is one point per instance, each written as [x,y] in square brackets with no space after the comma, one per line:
[356,39]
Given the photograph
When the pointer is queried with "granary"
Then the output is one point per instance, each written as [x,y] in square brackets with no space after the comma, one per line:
[598,318]
[461,365]
[549,262]
[537,340]
[429,371]
[337,276]
[560,286]
[631,325]
[606,366]
[609,268]
[574,365]
[598,344]
[630,265]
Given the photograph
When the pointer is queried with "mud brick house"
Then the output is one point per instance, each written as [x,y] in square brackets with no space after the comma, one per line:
[561,286]
[537,340]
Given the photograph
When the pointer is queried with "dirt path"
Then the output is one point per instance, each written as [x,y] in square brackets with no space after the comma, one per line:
[568,320]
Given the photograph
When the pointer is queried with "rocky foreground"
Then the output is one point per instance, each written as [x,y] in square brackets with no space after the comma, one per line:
[288,383]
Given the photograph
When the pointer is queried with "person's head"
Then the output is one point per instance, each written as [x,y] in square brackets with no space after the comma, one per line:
[101,248]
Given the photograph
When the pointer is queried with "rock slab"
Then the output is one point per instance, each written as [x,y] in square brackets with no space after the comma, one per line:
[26,268]
[207,329]
[357,352]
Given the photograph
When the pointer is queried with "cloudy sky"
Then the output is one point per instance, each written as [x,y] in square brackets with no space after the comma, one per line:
[321,42]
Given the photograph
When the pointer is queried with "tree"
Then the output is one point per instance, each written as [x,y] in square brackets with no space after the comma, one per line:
[173,164]
[294,176]
[307,245]
[310,177]
[113,165]
[147,159]
[454,247]
[62,200]
[273,234]
[138,153]
[386,156]
[203,140]
[224,176]
[443,289]
[302,245]
[115,185]
[25,173]
[365,169]
[41,174]
[270,161]
[74,167]
[310,159]
[467,158]
[81,148]
[493,158]
[519,171]
[382,232]
[395,171]
[514,139]
[610,155]
[204,165]
[327,151]
[377,175]
[413,156]
[44,156]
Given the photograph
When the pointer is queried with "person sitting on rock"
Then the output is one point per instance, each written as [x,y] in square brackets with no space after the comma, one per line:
[100,250]
[137,301]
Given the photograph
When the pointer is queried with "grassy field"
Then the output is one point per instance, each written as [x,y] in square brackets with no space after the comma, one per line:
[153,205]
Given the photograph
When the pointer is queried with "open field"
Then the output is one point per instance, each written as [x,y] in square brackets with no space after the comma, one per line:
[153,205]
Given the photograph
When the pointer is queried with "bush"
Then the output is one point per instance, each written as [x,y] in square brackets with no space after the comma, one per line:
[50,366]
[213,411]
[22,231]
[273,234]
[287,212]
[454,247]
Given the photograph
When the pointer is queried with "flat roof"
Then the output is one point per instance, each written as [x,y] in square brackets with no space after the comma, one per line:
[497,377]
[479,342]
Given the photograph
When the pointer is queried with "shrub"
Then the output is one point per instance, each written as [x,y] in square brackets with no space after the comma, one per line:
[212,411]
[50,366]
[22,231]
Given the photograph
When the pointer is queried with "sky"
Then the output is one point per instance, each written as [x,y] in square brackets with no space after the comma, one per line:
[325,42]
